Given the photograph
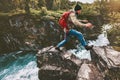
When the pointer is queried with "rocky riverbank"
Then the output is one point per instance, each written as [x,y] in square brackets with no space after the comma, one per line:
[54,65]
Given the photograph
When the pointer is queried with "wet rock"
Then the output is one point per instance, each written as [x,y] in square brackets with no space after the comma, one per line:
[108,55]
[54,65]
[89,72]
[107,61]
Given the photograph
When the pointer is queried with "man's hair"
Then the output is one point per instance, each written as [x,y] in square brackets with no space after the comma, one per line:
[77,7]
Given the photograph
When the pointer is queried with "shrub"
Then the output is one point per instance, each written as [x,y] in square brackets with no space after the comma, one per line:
[43,10]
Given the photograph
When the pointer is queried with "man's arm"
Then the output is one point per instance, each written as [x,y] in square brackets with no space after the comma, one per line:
[83,21]
[75,21]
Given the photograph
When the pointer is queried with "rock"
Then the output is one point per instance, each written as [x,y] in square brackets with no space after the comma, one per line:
[107,61]
[89,72]
[54,65]
[108,55]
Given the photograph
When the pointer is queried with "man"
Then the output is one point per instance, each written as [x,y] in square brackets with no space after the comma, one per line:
[67,21]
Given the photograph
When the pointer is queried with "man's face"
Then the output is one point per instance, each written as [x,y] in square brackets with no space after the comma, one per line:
[78,11]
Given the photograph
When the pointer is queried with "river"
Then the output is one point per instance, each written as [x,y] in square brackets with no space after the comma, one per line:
[18,66]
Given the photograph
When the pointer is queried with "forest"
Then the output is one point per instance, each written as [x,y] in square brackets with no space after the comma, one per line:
[107,9]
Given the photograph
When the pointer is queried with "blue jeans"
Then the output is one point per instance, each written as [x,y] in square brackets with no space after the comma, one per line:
[74,33]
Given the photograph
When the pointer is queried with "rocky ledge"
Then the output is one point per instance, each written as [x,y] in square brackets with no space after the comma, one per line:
[55,65]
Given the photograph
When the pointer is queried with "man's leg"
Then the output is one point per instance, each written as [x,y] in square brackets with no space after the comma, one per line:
[66,38]
[80,38]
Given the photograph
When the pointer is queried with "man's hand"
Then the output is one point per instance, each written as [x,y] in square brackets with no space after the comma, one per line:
[88,25]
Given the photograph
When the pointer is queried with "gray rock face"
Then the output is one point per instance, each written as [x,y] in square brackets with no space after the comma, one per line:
[24,32]
[54,65]
[89,72]
[107,60]
[109,55]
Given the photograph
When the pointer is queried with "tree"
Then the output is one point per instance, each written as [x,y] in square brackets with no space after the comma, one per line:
[6,5]
[49,4]
[102,8]
[55,5]
[41,3]
[34,4]
[65,4]
[27,8]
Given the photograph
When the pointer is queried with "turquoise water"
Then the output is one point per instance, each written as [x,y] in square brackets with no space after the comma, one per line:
[18,66]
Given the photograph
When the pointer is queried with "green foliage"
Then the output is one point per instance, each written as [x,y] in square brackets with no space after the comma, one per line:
[43,11]
[65,4]
[27,8]
[114,34]
[88,9]
[102,8]
[5,5]
[41,3]
[49,4]
[33,4]
[55,14]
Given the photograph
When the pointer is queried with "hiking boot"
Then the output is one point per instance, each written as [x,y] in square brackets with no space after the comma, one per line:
[88,47]
[57,48]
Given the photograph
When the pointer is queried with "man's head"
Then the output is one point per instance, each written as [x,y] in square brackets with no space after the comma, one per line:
[78,9]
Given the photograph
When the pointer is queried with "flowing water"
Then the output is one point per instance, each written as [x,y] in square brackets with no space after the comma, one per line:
[18,66]
[102,40]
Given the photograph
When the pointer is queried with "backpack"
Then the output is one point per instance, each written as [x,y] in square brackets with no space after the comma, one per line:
[63,21]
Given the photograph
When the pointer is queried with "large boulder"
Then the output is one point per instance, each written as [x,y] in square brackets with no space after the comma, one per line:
[54,65]
[89,72]
[107,61]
